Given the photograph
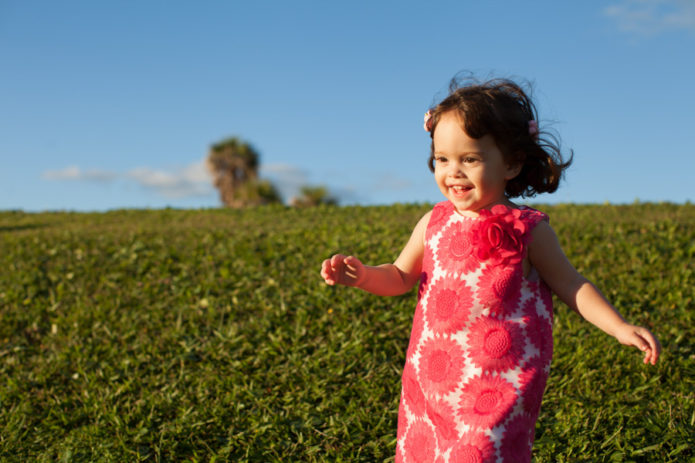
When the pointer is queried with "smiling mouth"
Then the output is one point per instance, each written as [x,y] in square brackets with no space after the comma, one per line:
[460,190]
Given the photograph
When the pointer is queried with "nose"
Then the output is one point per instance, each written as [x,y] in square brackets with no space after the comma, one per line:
[456,169]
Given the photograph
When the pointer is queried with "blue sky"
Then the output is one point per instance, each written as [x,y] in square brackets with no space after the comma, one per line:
[109,105]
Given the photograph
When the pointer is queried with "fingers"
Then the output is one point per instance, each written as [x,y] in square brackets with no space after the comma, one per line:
[650,346]
[326,272]
[331,269]
[340,269]
[645,341]
[353,268]
[337,260]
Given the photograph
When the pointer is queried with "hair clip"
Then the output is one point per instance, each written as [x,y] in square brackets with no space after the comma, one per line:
[428,121]
[533,129]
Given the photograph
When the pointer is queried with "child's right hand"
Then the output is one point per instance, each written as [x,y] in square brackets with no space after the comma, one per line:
[343,270]
[641,338]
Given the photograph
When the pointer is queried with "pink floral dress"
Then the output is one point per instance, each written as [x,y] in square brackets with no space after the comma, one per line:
[481,343]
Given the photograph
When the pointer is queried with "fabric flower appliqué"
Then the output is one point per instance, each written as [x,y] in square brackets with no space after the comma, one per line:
[502,235]
[495,345]
[486,400]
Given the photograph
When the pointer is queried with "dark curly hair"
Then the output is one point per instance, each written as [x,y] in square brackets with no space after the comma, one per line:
[501,108]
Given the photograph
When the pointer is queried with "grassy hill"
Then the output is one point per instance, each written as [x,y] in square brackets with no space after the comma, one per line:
[182,335]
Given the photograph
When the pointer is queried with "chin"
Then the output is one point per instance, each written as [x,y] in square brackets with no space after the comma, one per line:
[463,208]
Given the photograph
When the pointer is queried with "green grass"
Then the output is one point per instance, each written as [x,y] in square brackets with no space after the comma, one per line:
[209,336]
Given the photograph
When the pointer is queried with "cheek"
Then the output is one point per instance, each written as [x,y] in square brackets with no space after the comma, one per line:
[494,177]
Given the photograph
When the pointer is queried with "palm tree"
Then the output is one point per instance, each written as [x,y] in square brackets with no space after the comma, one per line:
[233,164]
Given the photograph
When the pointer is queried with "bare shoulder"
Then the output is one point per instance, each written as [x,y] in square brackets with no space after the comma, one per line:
[547,256]
[421,227]
[409,262]
[541,233]
[414,248]
[425,219]
[544,243]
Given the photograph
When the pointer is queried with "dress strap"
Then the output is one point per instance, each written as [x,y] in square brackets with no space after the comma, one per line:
[440,215]
[533,216]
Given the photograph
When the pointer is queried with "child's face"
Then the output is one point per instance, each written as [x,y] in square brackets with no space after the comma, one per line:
[471,173]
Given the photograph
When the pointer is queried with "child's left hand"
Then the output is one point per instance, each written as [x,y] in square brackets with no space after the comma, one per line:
[641,338]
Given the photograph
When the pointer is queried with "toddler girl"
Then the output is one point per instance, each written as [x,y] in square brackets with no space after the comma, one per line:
[481,342]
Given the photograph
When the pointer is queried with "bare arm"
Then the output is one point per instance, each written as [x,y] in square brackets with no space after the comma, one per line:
[383,280]
[582,296]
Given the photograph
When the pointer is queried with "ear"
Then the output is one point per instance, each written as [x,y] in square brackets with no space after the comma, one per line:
[513,170]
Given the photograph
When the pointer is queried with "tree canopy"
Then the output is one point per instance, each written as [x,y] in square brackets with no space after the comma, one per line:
[234,165]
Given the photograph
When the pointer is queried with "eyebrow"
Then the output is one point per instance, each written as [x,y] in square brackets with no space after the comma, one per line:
[480,153]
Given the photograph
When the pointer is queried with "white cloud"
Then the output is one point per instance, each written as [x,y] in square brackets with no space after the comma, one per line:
[75,173]
[651,17]
[193,180]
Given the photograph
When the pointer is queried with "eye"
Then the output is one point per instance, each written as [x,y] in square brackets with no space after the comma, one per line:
[440,159]
[470,160]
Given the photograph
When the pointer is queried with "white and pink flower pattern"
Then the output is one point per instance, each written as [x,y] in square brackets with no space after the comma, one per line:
[450,308]
[441,365]
[473,448]
[481,343]
[495,345]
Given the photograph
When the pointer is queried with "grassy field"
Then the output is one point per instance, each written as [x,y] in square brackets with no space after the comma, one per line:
[176,335]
